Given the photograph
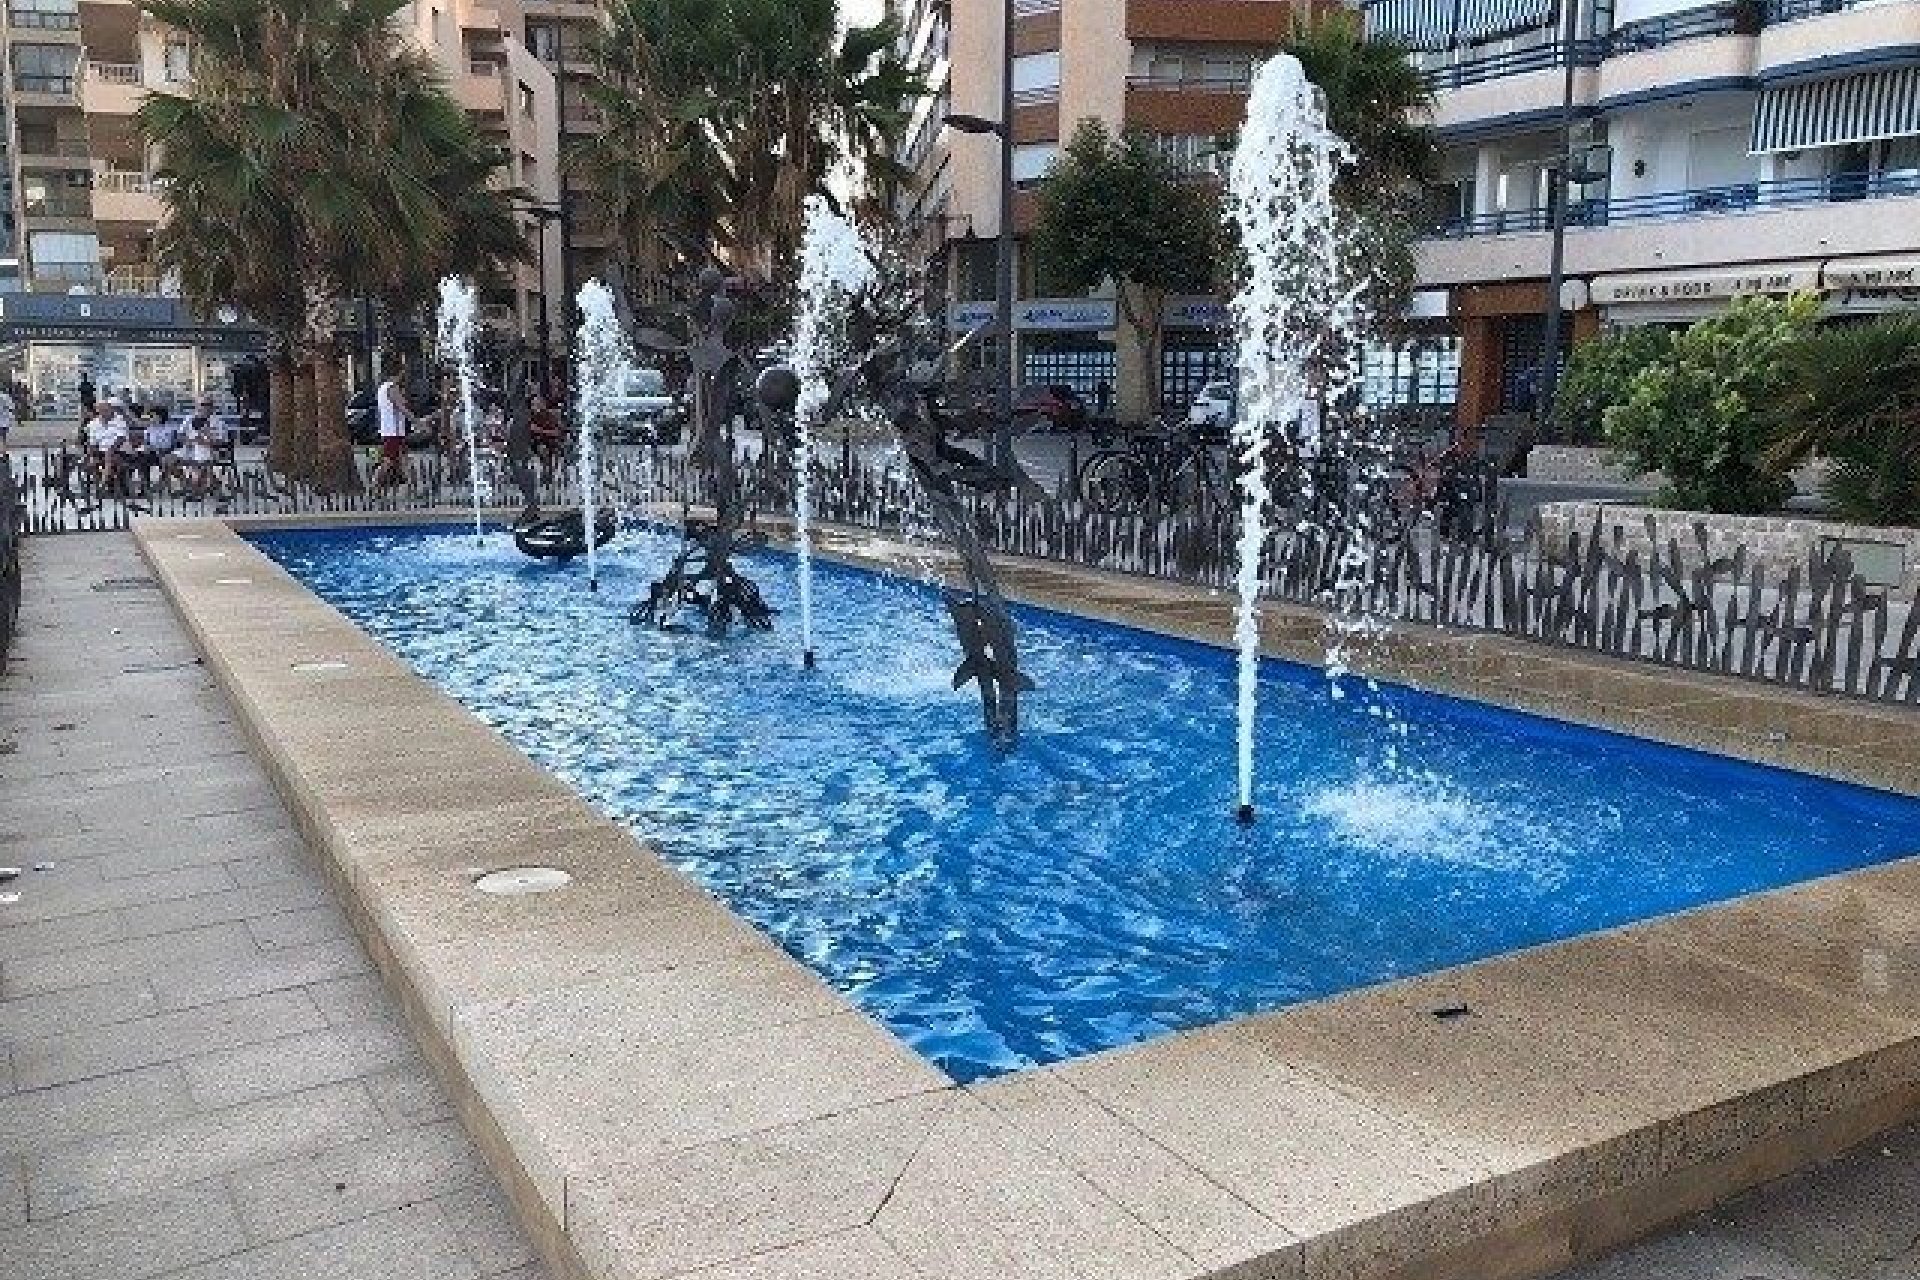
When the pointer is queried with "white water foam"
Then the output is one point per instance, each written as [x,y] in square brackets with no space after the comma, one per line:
[458,307]
[605,366]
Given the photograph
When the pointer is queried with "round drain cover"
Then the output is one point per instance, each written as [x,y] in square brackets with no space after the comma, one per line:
[518,880]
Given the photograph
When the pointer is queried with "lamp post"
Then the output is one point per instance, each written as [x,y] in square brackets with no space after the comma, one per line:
[1548,383]
[1003,268]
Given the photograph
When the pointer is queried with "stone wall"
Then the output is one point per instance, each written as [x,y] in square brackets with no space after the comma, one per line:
[1780,542]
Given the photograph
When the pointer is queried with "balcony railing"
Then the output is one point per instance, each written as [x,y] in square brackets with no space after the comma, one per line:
[65,148]
[38,20]
[1034,8]
[1193,84]
[1794,10]
[67,204]
[1513,62]
[1741,197]
[1745,18]
[1038,96]
[126,182]
[125,283]
[114,72]
[56,86]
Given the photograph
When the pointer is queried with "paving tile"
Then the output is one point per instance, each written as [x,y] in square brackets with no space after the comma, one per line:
[255,901]
[408,1095]
[163,1037]
[13,1192]
[292,1197]
[78,893]
[862,1254]
[294,1063]
[169,958]
[272,865]
[361,998]
[256,972]
[45,1118]
[290,930]
[411,1243]
[97,1170]
[722,1202]
[483,1220]
[128,1240]
[63,933]
[59,1012]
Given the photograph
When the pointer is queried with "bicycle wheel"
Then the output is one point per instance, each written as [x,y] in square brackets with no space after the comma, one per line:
[1116,484]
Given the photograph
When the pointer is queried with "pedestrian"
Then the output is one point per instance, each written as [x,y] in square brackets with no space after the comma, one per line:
[520,458]
[89,396]
[8,412]
[199,445]
[107,446]
[548,438]
[395,418]
[159,450]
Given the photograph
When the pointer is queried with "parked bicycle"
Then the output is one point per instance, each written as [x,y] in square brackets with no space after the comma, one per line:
[1166,468]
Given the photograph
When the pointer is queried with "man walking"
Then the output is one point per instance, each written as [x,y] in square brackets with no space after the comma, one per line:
[395,420]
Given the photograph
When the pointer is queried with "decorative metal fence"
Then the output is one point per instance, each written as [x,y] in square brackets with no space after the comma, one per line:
[12,522]
[1813,625]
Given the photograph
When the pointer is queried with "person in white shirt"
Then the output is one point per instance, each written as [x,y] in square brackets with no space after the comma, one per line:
[107,437]
[160,441]
[198,449]
[395,418]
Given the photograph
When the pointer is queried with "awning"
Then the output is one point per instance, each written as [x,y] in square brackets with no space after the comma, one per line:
[1485,19]
[1829,113]
[1418,24]
[1693,286]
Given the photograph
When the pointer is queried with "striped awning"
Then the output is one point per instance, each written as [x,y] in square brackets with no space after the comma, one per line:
[1829,113]
[1485,19]
[1426,25]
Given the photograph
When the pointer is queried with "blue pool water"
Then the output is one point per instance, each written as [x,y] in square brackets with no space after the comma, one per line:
[1089,889]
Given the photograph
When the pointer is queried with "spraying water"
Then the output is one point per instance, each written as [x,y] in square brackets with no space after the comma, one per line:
[834,266]
[458,306]
[605,363]
[1294,306]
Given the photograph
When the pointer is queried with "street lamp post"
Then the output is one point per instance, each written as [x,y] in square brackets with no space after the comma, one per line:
[545,213]
[1003,264]
[1548,383]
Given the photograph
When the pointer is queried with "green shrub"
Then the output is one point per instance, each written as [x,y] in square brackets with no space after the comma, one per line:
[1855,400]
[1597,377]
[1705,416]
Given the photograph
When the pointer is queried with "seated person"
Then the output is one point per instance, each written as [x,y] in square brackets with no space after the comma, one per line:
[159,444]
[197,451]
[107,447]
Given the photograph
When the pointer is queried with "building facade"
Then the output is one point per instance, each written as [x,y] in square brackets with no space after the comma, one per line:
[1177,70]
[82,204]
[1747,147]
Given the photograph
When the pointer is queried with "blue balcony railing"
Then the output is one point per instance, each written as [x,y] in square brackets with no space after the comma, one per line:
[1794,10]
[1730,17]
[1741,197]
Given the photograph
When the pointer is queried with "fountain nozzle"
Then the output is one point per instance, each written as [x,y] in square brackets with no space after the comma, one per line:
[806,659]
[1244,815]
[593,584]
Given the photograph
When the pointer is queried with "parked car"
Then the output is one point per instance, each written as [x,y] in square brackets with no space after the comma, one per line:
[642,410]
[1050,408]
[1210,415]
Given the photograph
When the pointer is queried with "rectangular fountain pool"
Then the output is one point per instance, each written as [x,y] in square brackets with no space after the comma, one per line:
[1089,889]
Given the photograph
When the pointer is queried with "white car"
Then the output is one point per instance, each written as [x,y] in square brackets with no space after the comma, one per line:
[1211,412]
[644,397]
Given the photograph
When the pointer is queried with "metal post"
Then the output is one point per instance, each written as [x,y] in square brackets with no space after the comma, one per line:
[566,201]
[546,329]
[1003,436]
[1548,383]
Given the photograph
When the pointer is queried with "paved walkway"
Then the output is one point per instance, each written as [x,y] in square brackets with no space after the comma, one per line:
[200,1076]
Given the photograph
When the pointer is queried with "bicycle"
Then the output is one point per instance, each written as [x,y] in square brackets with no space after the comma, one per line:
[1164,468]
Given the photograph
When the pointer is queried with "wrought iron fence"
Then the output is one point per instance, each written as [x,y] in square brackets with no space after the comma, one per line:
[12,521]
[1812,625]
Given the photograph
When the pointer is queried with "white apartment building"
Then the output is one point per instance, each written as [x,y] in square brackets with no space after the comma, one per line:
[1720,150]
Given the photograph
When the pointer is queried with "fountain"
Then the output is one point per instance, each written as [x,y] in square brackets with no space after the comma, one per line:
[1293,319]
[835,266]
[458,307]
[604,364]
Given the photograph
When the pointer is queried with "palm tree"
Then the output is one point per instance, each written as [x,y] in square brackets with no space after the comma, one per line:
[723,116]
[1379,105]
[315,147]
[1855,400]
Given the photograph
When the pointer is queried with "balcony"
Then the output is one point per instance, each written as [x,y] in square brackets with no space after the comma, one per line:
[1810,37]
[32,90]
[1187,104]
[1251,22]
[67,204]
[127,196]
[113,88]
[1511,62]
[54,153]
[481,90]
[1842,214]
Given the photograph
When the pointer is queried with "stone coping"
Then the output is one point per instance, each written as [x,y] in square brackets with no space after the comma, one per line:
[666,1093]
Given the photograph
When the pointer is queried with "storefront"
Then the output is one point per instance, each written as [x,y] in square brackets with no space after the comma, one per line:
[1060,341]
[1196,348]
[152,348]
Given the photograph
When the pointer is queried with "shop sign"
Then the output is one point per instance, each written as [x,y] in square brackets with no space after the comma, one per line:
[1705,285]
[1072,315]
[1883,273]
[965,317]
[1199,313]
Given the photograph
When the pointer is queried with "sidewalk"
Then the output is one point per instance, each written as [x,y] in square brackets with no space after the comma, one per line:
[200,1075]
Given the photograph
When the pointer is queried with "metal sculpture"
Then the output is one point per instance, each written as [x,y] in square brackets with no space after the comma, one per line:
[703,577]
[564,536]
[902,373]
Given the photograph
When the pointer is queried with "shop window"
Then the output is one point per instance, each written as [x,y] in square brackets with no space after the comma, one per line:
[1188,362]
[1084,363]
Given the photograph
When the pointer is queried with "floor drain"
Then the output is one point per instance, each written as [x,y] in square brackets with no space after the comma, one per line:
[325,665]
[515,881]
[125,584]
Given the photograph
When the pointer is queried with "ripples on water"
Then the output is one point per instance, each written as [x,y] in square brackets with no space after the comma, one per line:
[1090,889]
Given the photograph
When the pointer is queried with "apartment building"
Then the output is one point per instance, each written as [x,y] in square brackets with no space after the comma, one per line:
[560,34]
[1178,70]
[1743,147]
[79,288]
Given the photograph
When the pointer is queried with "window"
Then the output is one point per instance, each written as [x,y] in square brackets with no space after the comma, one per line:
[1031,160]
[526,99]
[1423,372]
[544,39]
[1079,361]
[65,255]
[46,15]
[44,68]
[1036,75]
[1193,154]
[439,27]
[178,64]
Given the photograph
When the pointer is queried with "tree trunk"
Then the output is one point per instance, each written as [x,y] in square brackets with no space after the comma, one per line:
[1143,309]
[281,424]
[334,470]
[300,460]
